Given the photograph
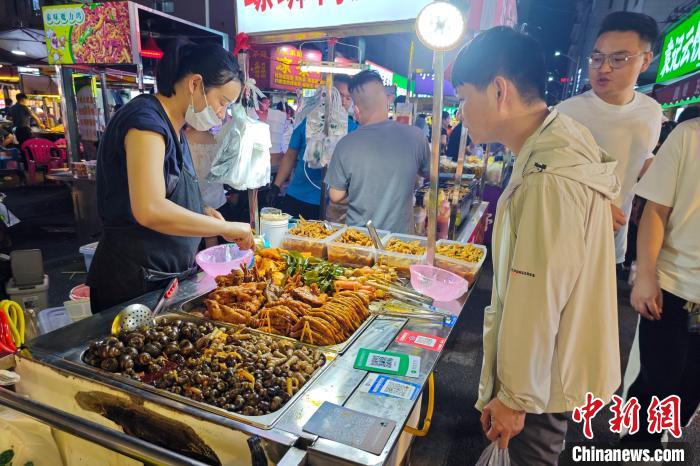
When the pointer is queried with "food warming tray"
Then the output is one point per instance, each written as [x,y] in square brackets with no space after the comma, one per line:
[197,303]
[266,421]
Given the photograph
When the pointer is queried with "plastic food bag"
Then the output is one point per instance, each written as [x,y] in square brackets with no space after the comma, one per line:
[319,145]
[494,456]
[29,440]
[243,158]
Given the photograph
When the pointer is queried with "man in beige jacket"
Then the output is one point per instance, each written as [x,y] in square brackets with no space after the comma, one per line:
[550,334]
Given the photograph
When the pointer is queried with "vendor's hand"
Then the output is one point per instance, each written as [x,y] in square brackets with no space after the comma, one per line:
[646,296]
[212,212]
[618,217]
[239,233]
[501,423]
[272,195]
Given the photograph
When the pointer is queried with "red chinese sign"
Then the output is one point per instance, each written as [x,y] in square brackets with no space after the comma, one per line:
[280,68]
[661,415]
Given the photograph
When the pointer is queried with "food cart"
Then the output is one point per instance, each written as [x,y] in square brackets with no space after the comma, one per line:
[88,406]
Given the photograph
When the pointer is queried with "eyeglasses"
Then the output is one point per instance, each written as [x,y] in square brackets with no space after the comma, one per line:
[616,60]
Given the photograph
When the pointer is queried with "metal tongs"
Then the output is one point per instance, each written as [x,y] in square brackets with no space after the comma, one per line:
[402,293]
[135,316]
[374,235]
[406,310]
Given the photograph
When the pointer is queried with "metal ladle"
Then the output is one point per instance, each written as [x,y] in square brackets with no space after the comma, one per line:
[135,316]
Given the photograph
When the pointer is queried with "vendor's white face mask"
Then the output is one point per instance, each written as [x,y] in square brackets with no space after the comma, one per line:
[204,120]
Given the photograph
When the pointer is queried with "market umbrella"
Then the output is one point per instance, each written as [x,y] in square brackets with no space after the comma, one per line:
[27,40]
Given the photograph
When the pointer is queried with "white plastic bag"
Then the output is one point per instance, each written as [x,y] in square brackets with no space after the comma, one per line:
[30,440]
[319,145]
[243,158]
[494,456]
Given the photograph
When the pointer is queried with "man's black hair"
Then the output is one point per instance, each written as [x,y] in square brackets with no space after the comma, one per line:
[364,77]
[21,96]
[622,21]
[503,51]
[445,114]
[342,78]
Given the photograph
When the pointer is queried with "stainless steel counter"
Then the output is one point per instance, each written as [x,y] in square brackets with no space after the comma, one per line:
[339,383]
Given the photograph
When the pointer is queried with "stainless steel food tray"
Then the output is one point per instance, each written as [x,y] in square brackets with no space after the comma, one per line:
[266,421]
[197,303]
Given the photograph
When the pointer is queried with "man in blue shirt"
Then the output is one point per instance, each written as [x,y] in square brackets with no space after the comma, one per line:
[304,191]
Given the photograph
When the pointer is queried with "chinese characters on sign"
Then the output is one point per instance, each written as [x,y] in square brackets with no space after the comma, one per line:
[661,415]
[279,68]
[680,53]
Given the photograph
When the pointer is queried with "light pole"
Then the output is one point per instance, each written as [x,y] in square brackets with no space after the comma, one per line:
[440,26]
[569,85]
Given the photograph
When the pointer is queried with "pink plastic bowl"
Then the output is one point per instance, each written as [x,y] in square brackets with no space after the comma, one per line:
[79,292]
[220,260]
[439,284]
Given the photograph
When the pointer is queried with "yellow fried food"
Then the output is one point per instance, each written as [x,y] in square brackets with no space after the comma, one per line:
[353,236]
[311,229]
[464,252]
[405,247]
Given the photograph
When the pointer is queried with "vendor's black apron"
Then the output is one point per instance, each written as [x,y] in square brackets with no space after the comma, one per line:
[132,260]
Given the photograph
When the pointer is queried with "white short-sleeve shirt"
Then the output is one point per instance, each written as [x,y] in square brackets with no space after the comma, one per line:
[673,180]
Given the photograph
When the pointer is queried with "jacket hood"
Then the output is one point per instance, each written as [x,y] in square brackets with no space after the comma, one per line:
[563,147]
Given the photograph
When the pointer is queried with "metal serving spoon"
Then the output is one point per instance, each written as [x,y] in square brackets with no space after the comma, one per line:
[135,316]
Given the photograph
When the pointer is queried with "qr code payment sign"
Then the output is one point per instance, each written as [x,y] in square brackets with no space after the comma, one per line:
[378,361]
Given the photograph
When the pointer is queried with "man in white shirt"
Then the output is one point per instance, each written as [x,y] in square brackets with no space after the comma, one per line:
[625,123]
[667,287]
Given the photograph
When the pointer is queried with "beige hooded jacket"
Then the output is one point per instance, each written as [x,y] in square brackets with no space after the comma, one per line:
[550,334]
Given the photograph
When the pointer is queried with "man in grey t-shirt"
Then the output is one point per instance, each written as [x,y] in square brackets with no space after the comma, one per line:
[376,166]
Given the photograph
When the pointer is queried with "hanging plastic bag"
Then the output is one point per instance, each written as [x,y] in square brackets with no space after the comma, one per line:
[319,145]
[243,158]
[308,105]
[494,456]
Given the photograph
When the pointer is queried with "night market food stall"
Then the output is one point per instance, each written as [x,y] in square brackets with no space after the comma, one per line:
[291,358]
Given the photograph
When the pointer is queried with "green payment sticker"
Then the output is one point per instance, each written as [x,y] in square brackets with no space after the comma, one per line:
[387,363]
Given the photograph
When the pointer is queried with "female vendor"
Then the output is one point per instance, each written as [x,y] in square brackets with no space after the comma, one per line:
[147,192]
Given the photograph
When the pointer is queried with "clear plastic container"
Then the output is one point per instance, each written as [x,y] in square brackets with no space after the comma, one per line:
[354,254]
[316,247]
[466,270]
[401,262]
[88,252]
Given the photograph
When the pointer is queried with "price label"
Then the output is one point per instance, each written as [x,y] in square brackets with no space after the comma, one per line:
[421,340]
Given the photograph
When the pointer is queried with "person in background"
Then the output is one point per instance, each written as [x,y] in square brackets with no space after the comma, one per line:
[6,138]
[625,123]
[453,141]
[3,111]
[552,245]
[445,130]
[203,147]
[667,285]
[21,115]
[422,124]
[303,197]
[375,167]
